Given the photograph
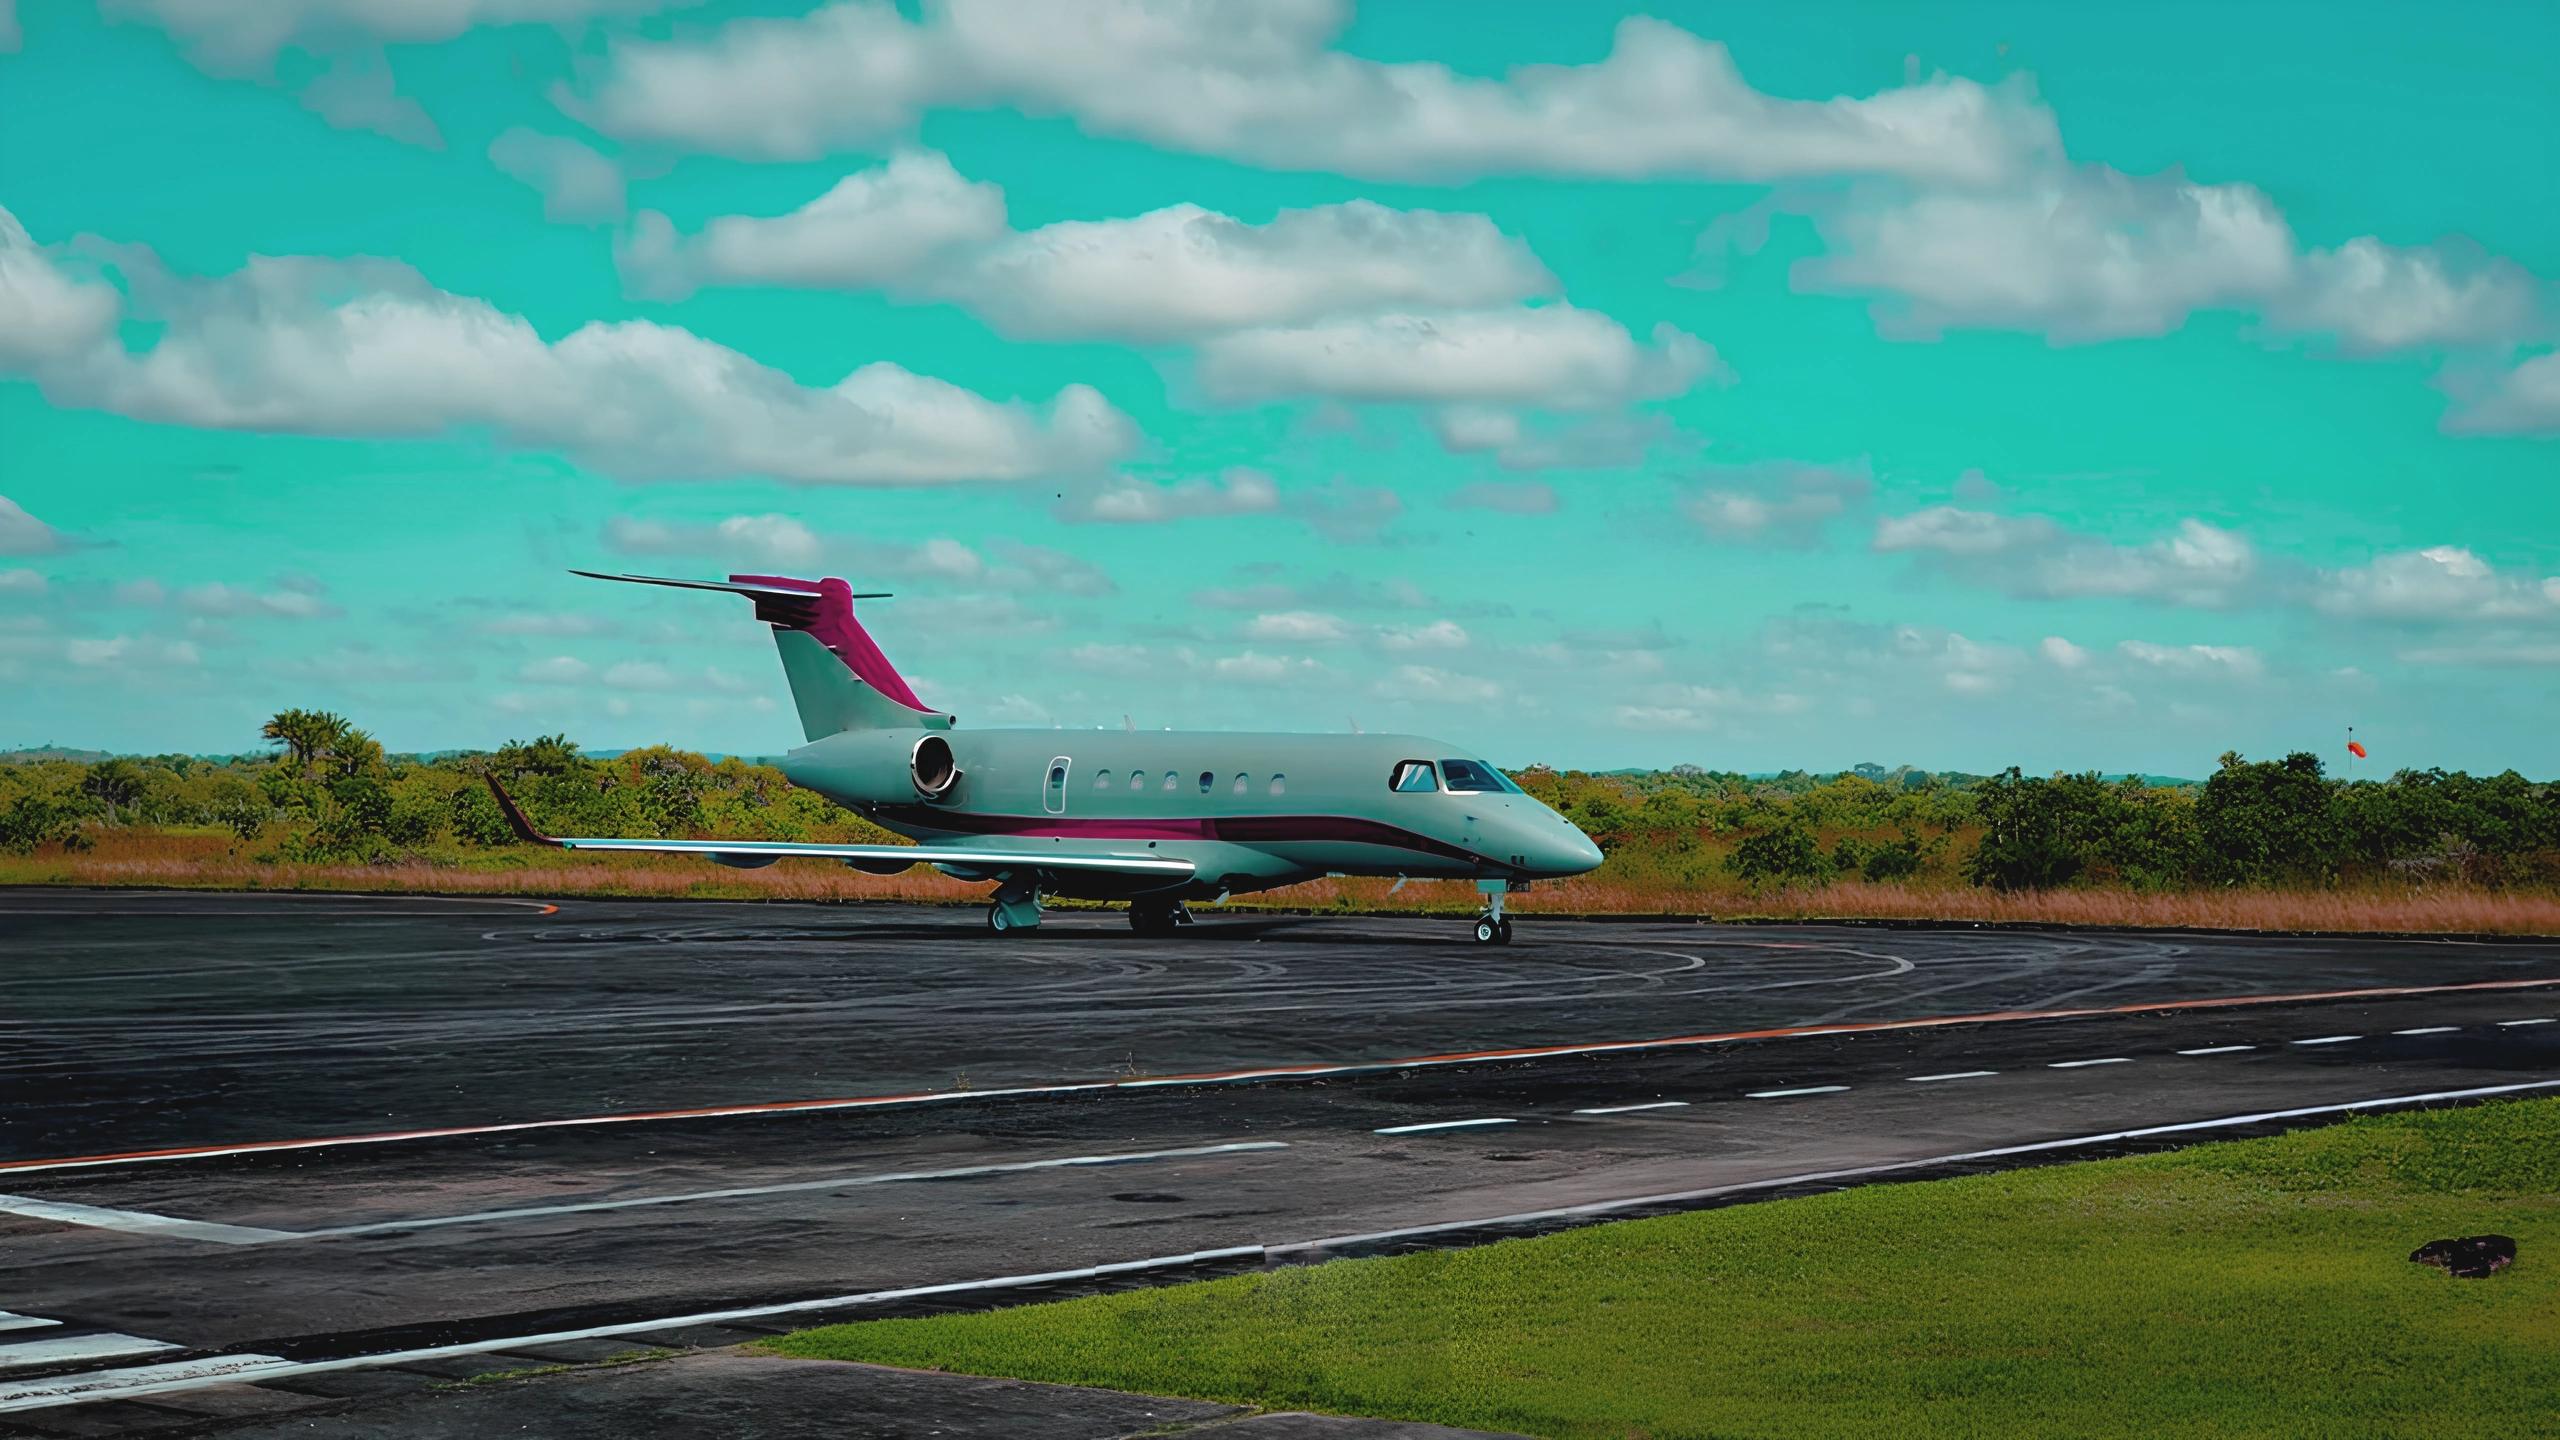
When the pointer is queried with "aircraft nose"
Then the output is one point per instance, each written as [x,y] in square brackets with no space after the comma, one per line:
[1567,851]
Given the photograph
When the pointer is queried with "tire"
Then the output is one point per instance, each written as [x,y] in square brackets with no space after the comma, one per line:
[997,920]
[1502,932]
[1488,931]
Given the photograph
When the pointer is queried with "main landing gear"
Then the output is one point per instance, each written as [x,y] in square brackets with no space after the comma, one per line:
[1491,927]
[1158,917]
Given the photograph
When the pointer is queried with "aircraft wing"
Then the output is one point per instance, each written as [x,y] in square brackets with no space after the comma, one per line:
[994,860]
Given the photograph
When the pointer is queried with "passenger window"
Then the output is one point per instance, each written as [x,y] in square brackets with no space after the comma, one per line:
[1207,780]
[1413,777]
[1101,779]
[1169,780]
[1240,784]
[1279,784]
[1137,779]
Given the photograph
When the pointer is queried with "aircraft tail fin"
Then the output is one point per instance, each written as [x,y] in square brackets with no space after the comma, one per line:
[839,678]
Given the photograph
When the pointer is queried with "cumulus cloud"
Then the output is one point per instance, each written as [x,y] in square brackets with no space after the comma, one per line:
[1552,357]
[1258,81]
[2061,653]
[1603,442]
[1127,501]
[2199,564]
[356,91]
[754,543]
[2522,401]
[2087,252]
[369,348]
[231,38]
[880,227]
[776,542]
[1436,635]
[1255,668]
[2236,662]
[46,312]
[1786,501]
[2443,583]
[1432,684]
[289,600]
[10,37]
[24,534]
[1297,627]
[577,184]
[21,583]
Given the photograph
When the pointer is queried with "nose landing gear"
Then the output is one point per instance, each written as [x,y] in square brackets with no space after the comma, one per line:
[1491,927]
[1158,917]
[1016,907]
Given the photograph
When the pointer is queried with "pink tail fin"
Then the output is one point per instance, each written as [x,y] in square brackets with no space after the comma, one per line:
[826,614]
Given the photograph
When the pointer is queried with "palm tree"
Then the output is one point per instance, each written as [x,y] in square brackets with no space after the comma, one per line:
[305,734]
[113,783]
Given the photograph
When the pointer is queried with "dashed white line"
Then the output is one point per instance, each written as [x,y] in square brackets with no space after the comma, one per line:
[1625,1109]
[11,1321]
[138,1222]
[61,1349]
[1952,1075]
[2511,1024]
[2077,1064]
[2219,1050]
[2328,1040]
[1443,1125]
[2429,1030]
[1806,1090]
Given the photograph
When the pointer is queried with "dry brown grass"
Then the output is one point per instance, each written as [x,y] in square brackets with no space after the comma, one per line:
[193,860]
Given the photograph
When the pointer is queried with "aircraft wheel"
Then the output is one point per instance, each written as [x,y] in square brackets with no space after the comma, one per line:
[1502,932]
[997,920]
[1490,931]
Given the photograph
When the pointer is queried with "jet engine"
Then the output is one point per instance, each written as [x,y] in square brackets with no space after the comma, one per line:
[932,768]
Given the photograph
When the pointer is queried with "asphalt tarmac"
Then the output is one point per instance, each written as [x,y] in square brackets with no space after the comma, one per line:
[687,1124]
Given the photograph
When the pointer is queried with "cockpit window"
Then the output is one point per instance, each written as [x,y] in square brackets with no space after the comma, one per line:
[1413,777]
[1474,775]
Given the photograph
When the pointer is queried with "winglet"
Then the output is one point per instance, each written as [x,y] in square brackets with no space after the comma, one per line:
[515,814]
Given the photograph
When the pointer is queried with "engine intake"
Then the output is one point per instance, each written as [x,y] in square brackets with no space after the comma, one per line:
[933,769]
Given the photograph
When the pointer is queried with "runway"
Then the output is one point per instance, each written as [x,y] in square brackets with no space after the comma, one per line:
[319,1143]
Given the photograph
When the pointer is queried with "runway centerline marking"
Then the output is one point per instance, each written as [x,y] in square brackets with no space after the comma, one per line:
[1951,1075]
[137,1222]
[2219,1050]
[1626,1109]
[2511,1024]
[137,1381]
[2429,1030]
[2328,1040]
[1444,1125]
[2079,1064]
[1801,1090]
[1247,1076]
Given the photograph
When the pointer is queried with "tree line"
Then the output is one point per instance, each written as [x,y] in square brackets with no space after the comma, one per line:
[329,792]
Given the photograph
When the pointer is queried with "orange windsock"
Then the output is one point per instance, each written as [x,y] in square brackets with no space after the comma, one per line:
[2356,748]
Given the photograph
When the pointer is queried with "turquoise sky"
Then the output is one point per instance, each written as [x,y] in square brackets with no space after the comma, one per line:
[1755,386]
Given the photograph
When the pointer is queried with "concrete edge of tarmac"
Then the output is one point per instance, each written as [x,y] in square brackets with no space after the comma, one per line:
[1596,917]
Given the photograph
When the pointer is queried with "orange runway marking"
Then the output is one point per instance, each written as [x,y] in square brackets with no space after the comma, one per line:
[1266,1072]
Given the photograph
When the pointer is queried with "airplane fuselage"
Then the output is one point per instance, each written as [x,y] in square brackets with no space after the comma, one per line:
[1249,810]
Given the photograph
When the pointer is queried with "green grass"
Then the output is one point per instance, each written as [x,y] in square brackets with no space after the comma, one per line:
[2258,1287]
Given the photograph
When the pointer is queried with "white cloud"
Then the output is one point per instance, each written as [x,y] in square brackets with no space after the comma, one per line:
[558,670]
[45,313]
[1254,667]
[24,534]
[876,228]
[133,650]
[1436,635]
[21,583]
[10,36]
[2061,653]
[1600,442]
[2199,564]
[2086,252]
[1257,81]
[2522,401]
[782,543]
[2512,650]
[229,37]
[1112,659]
[1184,272]
[1125,501]
[549,623]
[776,542]
[357,92]
[2237,662]
[288,602]
[1297,627]
[2439,583]
[1552,357]
[1430,683]
[576,183]
[644,675]
[1789,501]
[368,348]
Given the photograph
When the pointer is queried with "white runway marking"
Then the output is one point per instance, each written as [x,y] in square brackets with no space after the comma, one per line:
[2429,1030]
[156,1379]
[1952,1075]
[837,1182]
[1624,1109]
[2076,1064]
[2219,1050]
[27,1354]
[1441,1125]
[9,1321]
[2511,1024]
[2328,1040]
[138,1222]
[1807,1090]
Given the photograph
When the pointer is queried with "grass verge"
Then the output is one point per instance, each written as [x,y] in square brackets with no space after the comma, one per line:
[2257,1287]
